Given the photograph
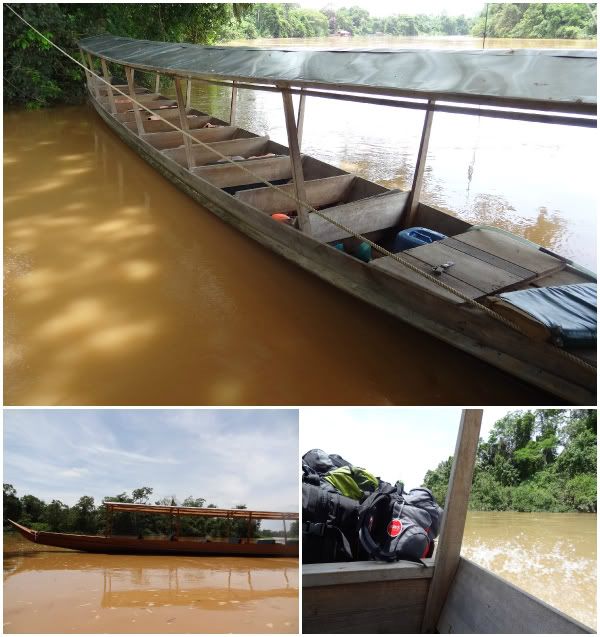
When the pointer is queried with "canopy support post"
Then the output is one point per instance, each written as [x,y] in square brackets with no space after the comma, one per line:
[93,79]
[284,531]
[184,124]
[109,517]
[296,159]
[300,120]
[188,95]
[233,107]
[88,76]
[129,72]
[455,514]
[249,529]
[415,192]
[157,83]
[178,525]
[109,91]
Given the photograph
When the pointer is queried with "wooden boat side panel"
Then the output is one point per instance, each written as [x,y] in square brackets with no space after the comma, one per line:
[319,192]
[363,216]
[386,606]
[480,602]
[116,544]
[468,329]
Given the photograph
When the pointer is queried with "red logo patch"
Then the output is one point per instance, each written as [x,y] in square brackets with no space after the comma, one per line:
[394,528]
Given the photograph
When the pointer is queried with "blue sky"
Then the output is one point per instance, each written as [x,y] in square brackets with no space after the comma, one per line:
[227,456]
[393,443]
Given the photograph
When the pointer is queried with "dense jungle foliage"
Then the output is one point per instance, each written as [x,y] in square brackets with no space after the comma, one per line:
[36,74]
[85,517]
[543,460]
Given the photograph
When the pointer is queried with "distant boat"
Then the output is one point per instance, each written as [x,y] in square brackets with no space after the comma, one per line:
[174,545]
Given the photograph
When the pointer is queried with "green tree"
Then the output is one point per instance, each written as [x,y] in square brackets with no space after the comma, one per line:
[11,505]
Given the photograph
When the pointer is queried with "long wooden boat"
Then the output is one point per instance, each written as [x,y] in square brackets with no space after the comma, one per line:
[175,544]
[445,594]
[449,288]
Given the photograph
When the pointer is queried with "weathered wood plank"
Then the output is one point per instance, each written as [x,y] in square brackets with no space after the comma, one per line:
[417,184]
[123,107]
[167,112]
[394,267]
[242,147]
[297,170]
[510,249]
[564,277]
[187,142]
[373,607]
[480,602]
[440,220]
[158,126]
[129,72]
[224,175]
[319,192]
[362,216]
[95,82]
[471,270]
[109,92]
[455,515]
[233,104]
[300,120]
[337,573]
[492,259]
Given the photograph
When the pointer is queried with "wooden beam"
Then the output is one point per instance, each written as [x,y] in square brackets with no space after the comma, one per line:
[455,514]
[157,83]
[300,120]
[109,92]
[233,107]
[188,95]
[415,192]
[88,76]
[297,173]
[284,532]
[129,72]
[184,124]
[93,79]
[249,529]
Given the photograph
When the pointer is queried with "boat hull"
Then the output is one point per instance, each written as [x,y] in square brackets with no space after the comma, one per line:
[130,545]
[464,327]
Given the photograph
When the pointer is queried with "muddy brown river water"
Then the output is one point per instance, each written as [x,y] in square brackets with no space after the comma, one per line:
[120,290]
[49,590]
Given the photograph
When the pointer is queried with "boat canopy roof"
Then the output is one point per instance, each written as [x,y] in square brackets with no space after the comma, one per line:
[538,79]
[207,512]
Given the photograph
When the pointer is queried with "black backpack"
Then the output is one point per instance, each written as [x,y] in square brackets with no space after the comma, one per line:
[329,525]
[388,524]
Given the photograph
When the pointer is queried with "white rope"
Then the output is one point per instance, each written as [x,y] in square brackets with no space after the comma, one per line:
[299,202]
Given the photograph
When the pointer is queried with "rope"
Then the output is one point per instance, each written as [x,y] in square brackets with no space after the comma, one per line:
[298,202]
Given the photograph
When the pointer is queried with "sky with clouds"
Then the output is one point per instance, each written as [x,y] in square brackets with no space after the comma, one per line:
[393,443]
[227,456]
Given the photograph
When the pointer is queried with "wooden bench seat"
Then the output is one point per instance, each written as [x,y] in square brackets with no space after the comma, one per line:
[125,106]
[243,147]
[173,139]
[231,175]
[170,113]
[361,216]
[319,192]
[158,126]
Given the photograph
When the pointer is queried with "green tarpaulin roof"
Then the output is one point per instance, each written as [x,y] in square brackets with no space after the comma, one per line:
[564,80]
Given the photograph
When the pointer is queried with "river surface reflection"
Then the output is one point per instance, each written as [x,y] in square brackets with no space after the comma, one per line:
[550,555]
[57,591]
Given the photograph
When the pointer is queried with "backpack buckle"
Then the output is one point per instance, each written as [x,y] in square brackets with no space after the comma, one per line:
[314,528]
